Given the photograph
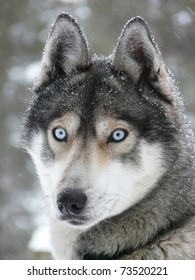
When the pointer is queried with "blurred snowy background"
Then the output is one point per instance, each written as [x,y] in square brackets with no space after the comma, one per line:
[24,26]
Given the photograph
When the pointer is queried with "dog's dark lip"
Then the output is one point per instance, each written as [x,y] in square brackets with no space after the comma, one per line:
[77,221]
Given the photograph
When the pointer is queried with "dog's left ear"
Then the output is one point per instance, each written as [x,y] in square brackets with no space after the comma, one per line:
[66,49]
[137,54]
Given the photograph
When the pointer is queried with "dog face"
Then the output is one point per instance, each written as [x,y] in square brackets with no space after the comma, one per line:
[98,129]
[91,178]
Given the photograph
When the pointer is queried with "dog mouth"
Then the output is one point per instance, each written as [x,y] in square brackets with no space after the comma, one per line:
[74,209]
[76,223]
[74,220]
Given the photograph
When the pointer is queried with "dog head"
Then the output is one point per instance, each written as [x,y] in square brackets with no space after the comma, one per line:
[98,129]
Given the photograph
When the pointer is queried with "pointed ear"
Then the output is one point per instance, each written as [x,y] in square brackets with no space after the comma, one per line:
[66,49]
[138,55]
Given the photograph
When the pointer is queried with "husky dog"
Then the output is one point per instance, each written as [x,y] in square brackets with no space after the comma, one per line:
[112,147]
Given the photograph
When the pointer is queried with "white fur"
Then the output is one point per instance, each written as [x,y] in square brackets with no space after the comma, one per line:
[42,171]
[117,186]
[62,239]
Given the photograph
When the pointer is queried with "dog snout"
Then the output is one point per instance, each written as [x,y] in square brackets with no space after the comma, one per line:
[71,202]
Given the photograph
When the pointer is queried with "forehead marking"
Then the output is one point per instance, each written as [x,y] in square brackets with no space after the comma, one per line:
[106,125]
[69,121]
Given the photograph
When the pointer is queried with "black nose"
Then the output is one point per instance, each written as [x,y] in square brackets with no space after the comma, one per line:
[71,202]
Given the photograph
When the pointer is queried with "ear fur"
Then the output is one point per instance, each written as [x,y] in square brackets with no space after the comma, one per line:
[66,49]
[136,50]
[138,55]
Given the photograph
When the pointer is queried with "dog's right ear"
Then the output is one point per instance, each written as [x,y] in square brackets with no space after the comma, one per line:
[66,49]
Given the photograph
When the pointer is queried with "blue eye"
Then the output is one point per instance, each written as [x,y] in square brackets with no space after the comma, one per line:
[118,135]
[60,134]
